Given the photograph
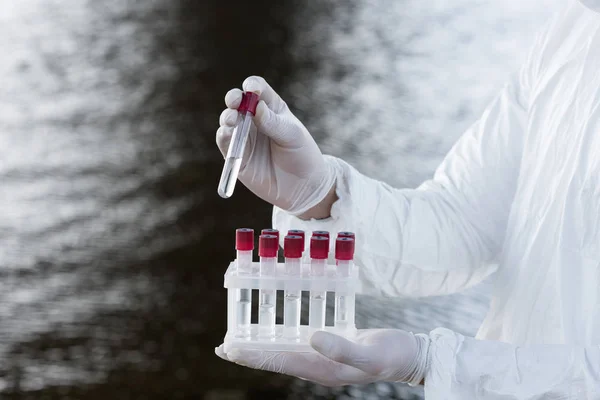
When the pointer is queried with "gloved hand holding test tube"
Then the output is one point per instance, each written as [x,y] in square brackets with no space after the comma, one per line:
[281,162]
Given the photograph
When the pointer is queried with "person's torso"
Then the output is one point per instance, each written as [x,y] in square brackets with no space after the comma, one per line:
[548,284]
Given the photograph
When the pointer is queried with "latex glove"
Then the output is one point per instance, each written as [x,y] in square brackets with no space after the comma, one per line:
[282,163]
[375,355]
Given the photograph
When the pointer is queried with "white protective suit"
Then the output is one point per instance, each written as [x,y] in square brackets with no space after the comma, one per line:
[520,191]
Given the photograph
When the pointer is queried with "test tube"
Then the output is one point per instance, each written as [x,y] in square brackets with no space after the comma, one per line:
[267,250]
[274,232]
[319,249]
[347,234]
[298,232]
[244,244]
[321,233]
[292,249]
[233,160]
[324,234]
[344,303]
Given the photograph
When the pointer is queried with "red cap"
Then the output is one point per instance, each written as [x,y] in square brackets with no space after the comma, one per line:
[293,246]
[344,248]
[273,232]
[268,246]
[321,233]
[244,239]
[249,102]
[319,247]
[346,234]
[297,232]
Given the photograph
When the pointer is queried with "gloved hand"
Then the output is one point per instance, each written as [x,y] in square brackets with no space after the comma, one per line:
[282,163]
[375,355]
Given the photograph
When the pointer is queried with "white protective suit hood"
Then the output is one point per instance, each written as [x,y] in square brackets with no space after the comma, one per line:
[593,5]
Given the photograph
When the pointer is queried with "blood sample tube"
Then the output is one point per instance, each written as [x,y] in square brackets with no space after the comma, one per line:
[321,233]
[270,232]
[324,234]
[319,249]
[344,303]
[233,160]
[347,234]
[297,232]
[292,249]
[273,232]
[267,250]
[244,244]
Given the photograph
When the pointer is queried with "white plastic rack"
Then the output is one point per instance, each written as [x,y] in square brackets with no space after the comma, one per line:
[280,281]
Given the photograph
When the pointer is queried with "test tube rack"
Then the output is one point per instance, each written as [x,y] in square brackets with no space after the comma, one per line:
[281,281]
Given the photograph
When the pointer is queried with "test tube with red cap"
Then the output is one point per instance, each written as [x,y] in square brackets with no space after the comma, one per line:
[344,305]
[298,232]
[347,234]
[233,160]
[319,251]
[267,250]
[244,244]
[321,233]
[270,231]
[292,249]
[324,234]
[274,232]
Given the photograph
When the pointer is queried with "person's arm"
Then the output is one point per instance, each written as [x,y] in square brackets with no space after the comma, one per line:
[465,368]
[442,236]
[445,235]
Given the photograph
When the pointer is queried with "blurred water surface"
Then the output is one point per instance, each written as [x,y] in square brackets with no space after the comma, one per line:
[113,240]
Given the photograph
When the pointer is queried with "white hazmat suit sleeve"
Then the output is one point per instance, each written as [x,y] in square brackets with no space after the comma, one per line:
[445,235]
[465,368]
